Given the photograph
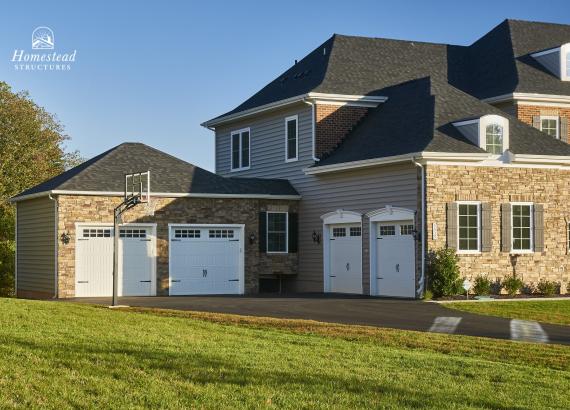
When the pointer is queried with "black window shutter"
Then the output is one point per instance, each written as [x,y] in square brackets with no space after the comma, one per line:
[263,232]
[293,233]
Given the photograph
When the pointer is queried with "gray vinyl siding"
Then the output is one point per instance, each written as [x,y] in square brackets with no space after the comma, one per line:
[362,190]
[551,62]
[35,245]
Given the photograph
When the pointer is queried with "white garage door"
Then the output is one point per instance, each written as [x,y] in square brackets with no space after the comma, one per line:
[395,266]
[94,261]
[345,258]
[206,260]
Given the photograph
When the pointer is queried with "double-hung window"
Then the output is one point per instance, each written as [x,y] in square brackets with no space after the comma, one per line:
[241,143]
[291,138]
[494,139]
[550,126]
[469,224]
[277,235]
[522,228]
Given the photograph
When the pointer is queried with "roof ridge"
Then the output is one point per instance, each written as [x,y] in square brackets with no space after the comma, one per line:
[396,39]
[536,22]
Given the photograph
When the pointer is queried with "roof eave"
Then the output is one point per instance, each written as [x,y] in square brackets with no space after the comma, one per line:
[155,194]
[311,97]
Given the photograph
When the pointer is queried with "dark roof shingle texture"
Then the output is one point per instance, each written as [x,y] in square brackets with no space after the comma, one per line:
[105,173]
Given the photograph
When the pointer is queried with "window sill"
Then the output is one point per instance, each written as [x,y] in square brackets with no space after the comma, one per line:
[277,253]
[239,169]
[472,253]
[292,160]
[522,252]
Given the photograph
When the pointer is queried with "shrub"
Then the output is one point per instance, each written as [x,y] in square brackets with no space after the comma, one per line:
[482,285]
[444,273]
[548,288]
[496,287]
[528,288]
[512,285]
[7,268]
[428,294]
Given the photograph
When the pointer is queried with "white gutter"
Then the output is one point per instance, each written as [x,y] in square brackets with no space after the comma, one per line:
[540,159]
[364,100]
[156,194]
[56,245]
[443,156]
[420,291]
[528,97]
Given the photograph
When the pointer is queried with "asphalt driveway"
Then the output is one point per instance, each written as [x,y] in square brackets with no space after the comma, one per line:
[398,314]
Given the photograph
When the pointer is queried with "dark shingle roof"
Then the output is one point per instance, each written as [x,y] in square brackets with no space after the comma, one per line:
[418,117]
[496,64]
[105,173]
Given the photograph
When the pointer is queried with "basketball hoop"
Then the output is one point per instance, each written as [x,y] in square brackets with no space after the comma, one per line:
[137,191]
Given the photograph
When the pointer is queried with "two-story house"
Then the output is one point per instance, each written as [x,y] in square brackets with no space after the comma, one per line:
[340,175]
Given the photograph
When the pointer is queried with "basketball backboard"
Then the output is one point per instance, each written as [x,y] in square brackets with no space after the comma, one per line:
[137,185]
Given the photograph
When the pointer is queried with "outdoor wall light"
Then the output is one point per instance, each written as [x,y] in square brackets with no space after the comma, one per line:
[65,238]
[316,237]
[417,235]
[252,239]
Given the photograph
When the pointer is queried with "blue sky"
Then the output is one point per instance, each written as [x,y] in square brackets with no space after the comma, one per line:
[152,71]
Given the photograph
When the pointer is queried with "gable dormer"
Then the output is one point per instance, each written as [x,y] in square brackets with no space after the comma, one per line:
[489,132]
[556,60]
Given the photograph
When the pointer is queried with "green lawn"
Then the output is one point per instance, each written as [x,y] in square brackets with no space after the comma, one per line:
[554,311]
[68,355]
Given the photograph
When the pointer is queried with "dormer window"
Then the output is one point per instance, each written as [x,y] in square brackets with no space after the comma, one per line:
[556,60]
[494,139]
[489,132]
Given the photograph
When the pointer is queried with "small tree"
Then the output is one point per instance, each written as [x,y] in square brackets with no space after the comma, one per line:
[482,286]
[512,284]
[444,273]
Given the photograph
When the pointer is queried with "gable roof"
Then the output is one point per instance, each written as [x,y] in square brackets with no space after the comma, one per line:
[418,117]
[169,175]
[498,63]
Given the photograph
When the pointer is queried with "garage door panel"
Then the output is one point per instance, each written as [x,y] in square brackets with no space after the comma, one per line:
[208,264]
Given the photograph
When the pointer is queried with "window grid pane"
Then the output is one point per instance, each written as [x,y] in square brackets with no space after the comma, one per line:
[406,229]
[355,231]
[521,227]
[291,139]
[276,232]
[468,227]
[387,230]
[550,126]
[339,232]
[235,151]
[494,139]
[245,149]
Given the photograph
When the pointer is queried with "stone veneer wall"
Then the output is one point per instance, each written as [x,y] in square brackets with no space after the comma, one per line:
[526,112]
[333,122]
[549,187]
[97,209]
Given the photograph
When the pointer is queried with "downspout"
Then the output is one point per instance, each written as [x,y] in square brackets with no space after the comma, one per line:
[56,243]
[313,125]
[420,291]
[16,250]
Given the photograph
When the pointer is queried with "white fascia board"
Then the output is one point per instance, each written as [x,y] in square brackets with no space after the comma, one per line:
[362,100]
[418,156]
[540,159]
[466,122]
[545,52]
[528,97]
[157,194]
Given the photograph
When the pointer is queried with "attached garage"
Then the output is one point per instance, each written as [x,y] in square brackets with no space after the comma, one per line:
[206,259]
[189,239]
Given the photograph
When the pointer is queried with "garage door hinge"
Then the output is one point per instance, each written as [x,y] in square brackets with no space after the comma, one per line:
[233,280]
[82,239]
[175,280]
[145,281]
[145,240]
[234,240]
[82,281]
[175,240]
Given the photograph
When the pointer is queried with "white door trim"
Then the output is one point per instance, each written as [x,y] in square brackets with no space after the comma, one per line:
[78,226]
[332,218]
[152,227]
[240,227]
[386,214]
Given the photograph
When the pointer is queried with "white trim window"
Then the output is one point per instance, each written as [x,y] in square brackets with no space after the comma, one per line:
[550,125]
[469,227]
[240,149]
[277,232]
[522,227]
[291,138]
[567,64]
[494,139]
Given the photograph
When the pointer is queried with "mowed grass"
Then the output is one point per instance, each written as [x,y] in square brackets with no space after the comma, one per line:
[68,355]
[553,311]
